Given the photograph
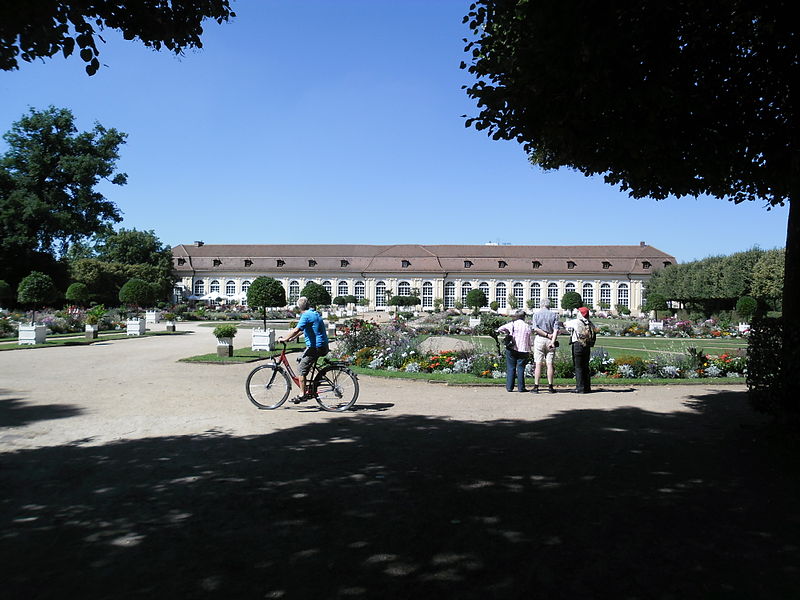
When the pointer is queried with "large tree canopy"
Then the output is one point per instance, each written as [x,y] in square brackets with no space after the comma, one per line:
[679,98]
[48,177]
[41,29]
[685,97]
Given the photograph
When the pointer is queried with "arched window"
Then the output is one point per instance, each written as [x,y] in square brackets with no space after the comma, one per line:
[484,287]
[214,287]
[294,291]
[552,294]
[519,295]
[360,288]
[342,289]
[403,288]
[466,288]
[230,288]
[570,287]
[605,295]
[449,294]
[623,298]
[199,287]
[588,294]
[500,295]
[380,294]
[536,295]
[245,287]
[328,287]
[427,294]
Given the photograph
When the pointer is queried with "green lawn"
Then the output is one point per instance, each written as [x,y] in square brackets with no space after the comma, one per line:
[634,346]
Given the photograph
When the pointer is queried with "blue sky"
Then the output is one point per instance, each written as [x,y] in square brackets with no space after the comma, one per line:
[341,122]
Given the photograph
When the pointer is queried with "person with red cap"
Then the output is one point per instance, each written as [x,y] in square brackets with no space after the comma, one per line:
[582,338]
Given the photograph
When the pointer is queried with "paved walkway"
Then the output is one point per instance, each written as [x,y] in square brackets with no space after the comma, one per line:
[126,474]
[135,388]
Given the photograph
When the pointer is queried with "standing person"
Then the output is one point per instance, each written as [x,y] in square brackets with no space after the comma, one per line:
[313,328]
[545,328]
[517,356]
[582,339]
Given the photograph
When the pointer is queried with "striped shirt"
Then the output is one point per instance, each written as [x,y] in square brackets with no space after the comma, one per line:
[521,333]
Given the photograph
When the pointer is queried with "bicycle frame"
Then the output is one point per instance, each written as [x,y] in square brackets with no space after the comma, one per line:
[282,359]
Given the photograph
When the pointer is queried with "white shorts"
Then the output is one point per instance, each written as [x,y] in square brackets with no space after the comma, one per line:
[541,352]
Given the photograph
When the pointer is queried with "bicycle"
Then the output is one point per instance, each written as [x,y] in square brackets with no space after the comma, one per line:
[333,385]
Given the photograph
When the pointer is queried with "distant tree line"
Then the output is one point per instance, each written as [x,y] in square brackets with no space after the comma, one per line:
[718,282]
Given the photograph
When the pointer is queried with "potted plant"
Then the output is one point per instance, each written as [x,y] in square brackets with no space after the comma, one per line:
[92,321]
[170,321]
[225,335]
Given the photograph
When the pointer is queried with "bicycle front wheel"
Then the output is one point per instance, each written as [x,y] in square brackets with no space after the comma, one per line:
[268,386]
[336,388]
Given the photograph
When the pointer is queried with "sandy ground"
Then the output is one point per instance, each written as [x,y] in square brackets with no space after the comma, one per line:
[126,474]
[135,388]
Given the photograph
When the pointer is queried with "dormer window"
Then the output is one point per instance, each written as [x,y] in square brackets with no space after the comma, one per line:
[467,264]
[181,261]
[405,264]
[279,263]
[570,264]
[536,264]
[646,264]
[667,263]
[501,264]
[606,264]
[312,262]
[217,262]
[344,263]
[248,262]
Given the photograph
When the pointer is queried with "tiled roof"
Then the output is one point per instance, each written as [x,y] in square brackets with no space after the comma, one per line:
[418,259]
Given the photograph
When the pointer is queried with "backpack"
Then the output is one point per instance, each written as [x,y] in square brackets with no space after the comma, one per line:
[588,336]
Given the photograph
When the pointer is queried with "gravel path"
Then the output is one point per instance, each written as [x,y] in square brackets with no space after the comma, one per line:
[126,474]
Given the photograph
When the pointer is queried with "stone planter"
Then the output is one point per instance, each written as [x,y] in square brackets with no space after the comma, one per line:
[224,346]
[263,339]
[473,322]
[92,331]
[136,326]
[169,326]
[32,333]
[152,316]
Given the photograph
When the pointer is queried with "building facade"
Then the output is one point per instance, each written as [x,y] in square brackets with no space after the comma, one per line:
[604,276]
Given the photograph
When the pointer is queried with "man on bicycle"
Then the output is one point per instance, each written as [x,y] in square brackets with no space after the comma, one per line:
[312,327]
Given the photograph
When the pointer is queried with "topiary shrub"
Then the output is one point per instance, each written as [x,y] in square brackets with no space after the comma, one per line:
[746,307]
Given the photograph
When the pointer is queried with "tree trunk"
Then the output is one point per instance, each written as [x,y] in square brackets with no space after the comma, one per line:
[790,372]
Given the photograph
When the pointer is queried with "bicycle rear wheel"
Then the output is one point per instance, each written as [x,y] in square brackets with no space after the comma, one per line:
[336,388]
[268,386]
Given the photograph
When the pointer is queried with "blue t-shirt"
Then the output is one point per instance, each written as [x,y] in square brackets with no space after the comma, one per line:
[313,329]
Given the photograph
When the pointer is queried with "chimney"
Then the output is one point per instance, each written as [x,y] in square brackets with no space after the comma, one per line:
[640,243]
[198,243]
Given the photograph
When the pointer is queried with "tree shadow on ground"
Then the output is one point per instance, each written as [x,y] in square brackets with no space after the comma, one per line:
[15,412]
[589,503]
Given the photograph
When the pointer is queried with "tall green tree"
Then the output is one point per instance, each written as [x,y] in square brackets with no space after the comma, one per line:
[35,290]
[263,293]
[476,300]
[767,275]
[317,295]
[48,195]
[683,98]
[37,30]
[571,301]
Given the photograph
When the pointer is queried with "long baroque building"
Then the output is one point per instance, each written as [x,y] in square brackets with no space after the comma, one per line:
[605,276]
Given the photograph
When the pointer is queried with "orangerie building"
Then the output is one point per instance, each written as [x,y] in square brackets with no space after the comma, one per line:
[611,275]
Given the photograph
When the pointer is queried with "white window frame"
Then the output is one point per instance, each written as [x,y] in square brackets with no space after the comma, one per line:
[587,294]
[501,294]
[450,294]
[380,294]
[623,295]
[343,289]
[427,294]
[536,294]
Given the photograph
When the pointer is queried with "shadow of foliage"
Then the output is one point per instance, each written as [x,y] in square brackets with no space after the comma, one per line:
[589,503]
[15,412]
